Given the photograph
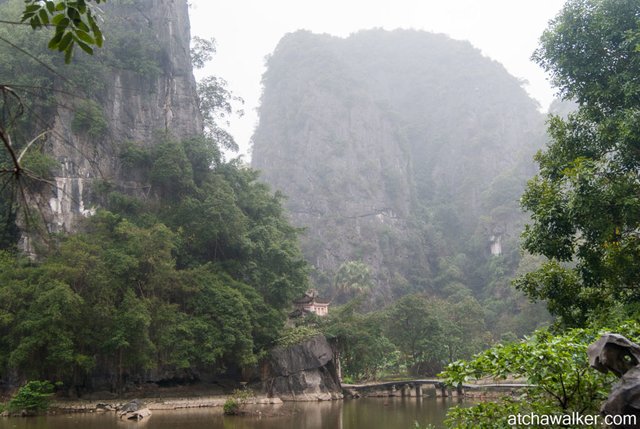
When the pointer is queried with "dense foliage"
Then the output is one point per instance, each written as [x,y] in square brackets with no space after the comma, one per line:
[199,280]
[555,367]
[584,202]
[189,272]
[32,398]
[416,335]
[585,219]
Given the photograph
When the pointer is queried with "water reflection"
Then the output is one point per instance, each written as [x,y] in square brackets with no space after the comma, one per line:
[365,413]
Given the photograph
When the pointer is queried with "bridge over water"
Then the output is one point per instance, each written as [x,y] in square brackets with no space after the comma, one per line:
[422,387]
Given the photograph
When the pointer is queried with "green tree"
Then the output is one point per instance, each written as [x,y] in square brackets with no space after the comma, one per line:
[360,342]
[195,277]
[431,332]
[414,327]
[352,277]
[555,367]
[461,320]
[215,101]
[33,397]
[39,318]
[584,203]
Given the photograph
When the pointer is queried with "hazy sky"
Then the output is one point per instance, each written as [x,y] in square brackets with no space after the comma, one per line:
[248,30]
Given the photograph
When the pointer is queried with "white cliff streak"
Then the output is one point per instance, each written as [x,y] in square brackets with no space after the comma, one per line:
[135,107]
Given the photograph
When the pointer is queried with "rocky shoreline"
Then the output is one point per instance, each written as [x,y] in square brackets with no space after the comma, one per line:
[153,404]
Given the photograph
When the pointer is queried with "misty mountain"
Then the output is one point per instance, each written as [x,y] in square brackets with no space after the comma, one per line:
[405,150]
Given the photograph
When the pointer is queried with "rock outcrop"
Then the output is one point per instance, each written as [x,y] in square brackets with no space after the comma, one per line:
[134,410]
[394,148]
[303,372]
[139,95]
[615,353]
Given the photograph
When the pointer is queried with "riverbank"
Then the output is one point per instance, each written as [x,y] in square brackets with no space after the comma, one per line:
[182,398]
[152,403]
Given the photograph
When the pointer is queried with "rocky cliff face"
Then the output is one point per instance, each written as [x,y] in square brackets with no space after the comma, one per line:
[134,101]
[398,149]
[341,163]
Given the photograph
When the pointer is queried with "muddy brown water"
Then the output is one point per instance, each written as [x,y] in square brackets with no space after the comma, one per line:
[364,413]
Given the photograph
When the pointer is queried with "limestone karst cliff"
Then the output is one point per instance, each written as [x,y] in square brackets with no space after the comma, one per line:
[405,150]
[138,87]
[187,269]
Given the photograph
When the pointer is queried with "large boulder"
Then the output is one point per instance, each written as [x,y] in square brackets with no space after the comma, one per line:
[303,372]
[615,353]
[134,410]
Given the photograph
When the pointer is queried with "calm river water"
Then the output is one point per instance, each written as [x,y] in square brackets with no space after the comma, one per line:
[365,413]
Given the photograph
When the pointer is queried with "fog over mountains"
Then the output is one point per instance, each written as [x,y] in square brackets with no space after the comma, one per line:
[405,150]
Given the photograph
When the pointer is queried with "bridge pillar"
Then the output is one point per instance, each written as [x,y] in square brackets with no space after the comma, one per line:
[406,390]
[430,390]
[419,390]
[441,390]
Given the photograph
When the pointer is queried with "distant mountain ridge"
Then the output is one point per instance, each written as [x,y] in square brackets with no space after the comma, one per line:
[405,150]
